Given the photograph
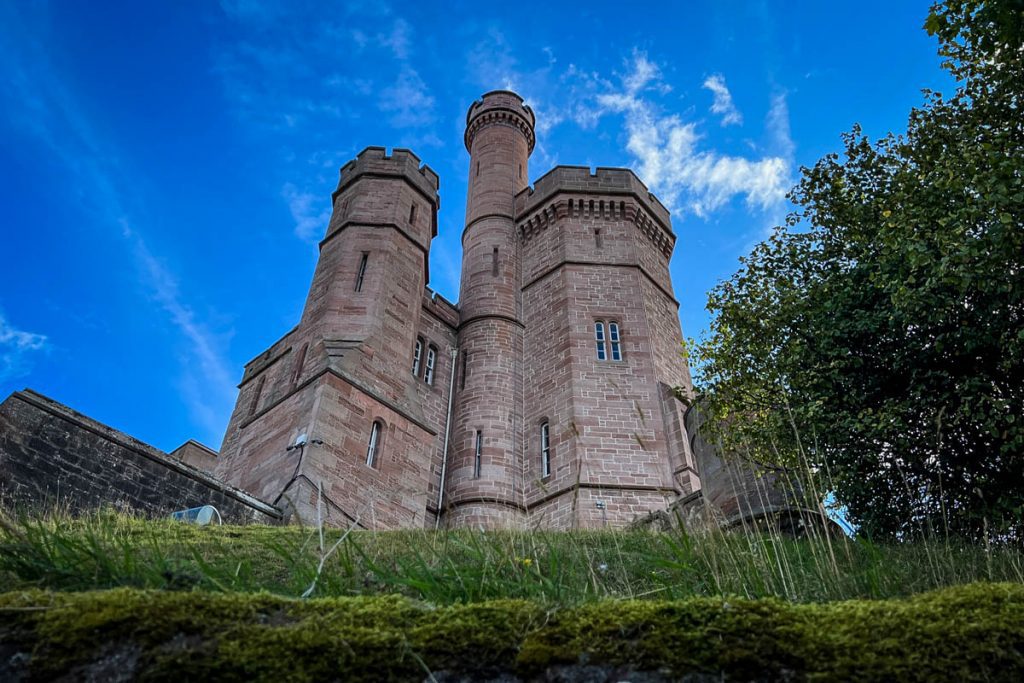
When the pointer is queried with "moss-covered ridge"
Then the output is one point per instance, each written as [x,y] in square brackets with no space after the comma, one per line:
[973,632]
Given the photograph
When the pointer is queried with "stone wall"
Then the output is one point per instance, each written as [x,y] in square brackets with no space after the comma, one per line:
[52,455]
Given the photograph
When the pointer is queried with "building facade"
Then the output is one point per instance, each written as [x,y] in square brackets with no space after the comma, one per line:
[545,398]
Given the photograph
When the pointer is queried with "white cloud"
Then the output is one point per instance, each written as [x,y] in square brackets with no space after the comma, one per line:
[777,125]
[408,100]
[15,348]
[310,224]
[722,104]
[398,39]
[669,158]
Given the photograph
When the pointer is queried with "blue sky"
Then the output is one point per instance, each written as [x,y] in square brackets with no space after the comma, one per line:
[166,168]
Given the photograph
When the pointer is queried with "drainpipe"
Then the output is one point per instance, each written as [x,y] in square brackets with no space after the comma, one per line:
[447,433]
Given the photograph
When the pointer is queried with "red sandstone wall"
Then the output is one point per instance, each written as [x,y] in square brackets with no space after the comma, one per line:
[595,248]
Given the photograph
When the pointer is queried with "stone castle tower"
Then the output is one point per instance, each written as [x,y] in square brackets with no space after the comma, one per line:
[544,398]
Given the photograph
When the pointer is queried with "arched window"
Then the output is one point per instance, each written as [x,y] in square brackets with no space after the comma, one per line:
[428,374]
[545,450]
[373,448]
[599,338]
[417,355]
[613,337]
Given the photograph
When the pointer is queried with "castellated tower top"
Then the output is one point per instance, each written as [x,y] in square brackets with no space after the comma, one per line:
[500,106]
[400,163]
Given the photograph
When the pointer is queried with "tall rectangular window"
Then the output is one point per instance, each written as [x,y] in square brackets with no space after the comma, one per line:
[545,451]
[599,338]
[417,354]
[494,263]
[597,238]
[412,214]
[477,455]
[362,271]
[374,445]
[613,337]
[428,374]
[462,379]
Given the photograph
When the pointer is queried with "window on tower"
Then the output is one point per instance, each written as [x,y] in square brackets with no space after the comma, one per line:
[602,352]
[478,455]
[613,337]
[417,356]
[545,450]
[361,273]
[373,448]
[608,347]
[428,374]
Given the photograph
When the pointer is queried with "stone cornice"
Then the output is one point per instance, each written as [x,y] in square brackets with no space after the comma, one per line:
[618,209]
[500,116]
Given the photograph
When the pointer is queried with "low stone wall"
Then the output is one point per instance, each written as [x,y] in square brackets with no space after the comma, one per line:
[51,455]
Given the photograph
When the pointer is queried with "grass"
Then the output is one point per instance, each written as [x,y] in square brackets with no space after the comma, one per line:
[554,569]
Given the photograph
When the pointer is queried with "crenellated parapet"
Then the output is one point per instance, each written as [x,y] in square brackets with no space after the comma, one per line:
[604,194]
[401,163]
[500,107]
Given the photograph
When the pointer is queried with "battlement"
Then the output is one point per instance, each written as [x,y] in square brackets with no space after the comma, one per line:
[603,182]
[375,161]
[500,106]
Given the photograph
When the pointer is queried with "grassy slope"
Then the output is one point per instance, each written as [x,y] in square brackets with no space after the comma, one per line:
[109,550]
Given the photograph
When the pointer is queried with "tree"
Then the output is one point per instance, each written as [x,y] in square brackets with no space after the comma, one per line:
[877,338]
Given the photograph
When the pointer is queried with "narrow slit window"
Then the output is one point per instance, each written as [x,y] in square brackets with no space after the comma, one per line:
[465,369]
[428,374]
[417,356]
[613,337]
[520,171]
[597,238]
[477,454]
[361,274]
[599,338]
[494,263]
[478,168]
[545,450]
[373,447]
[412,214]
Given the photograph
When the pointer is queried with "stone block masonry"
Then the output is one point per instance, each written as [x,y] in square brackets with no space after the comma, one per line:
[52,455]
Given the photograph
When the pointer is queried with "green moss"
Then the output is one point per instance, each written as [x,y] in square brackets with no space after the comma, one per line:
[973,632]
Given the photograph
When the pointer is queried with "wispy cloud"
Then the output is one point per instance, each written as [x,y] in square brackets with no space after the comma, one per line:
[41,103]
[309,222]
[670,159]
[722,103]
[16,349]
[408,101]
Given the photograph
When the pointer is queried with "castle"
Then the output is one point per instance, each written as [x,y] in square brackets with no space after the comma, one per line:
[544,398]
[547,398]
